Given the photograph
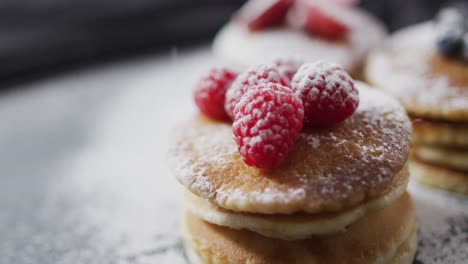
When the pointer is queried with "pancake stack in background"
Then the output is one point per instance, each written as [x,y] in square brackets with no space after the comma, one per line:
[441,163]
[426,67]
[334,31]
[339,196]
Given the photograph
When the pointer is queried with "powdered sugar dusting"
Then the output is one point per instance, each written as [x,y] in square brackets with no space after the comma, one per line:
[402,68]
[267,121]
[326,170]
[375,141]
[327,92]
[190,170]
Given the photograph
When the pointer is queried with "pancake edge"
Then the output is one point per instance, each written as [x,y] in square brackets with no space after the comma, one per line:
[288,231]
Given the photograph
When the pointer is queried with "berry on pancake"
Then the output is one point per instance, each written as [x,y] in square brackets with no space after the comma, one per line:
[288,67]
[267,122]
[210,92]
[327,92]
[252,76]
[451,25]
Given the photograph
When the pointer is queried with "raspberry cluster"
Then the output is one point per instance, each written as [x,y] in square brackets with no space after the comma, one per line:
[269,104]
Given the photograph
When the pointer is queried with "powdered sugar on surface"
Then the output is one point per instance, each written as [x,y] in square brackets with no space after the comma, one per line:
[402,68]
[443,225]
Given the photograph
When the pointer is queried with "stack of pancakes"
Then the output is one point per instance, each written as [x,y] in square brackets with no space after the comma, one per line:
[338,198]
[440,158]
[434,90]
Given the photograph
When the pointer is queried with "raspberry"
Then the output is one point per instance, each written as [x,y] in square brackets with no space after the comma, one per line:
[252,76]
[287,67]
[267,122]
[327,92]
[319,23]
[259,14]
[210,92]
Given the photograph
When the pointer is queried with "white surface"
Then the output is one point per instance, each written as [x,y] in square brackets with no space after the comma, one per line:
[91,147]
[95,141]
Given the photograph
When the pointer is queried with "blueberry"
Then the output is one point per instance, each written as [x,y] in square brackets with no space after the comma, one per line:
[451,28]
[465,47]
[450,45]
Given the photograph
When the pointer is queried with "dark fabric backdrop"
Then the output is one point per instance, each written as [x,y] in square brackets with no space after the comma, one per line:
[42,36]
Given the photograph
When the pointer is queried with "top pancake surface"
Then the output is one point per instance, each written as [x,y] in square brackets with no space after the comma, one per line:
[327,169]
[235,44]
[428,84]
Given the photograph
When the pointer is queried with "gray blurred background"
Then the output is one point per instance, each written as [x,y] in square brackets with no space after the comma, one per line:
[40,37]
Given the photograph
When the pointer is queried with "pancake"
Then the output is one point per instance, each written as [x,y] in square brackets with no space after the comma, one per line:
[236,45]
[439,177]
[383,236]
[406,252]
[442,133]
[428,85]
[327,170]
[296,226]
[450,158]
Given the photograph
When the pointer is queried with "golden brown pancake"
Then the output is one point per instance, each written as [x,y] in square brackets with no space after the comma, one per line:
[451,158]
[428,85]
[441,133]
[383,236]
[295,226]
[327,170]
[406,252]
[439,177]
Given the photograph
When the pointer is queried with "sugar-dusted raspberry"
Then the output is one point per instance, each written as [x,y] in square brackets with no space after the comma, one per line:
[251,77]
[267,122]
[319,23]
[288,67]
[210,92]
[327,92]
[260,14]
